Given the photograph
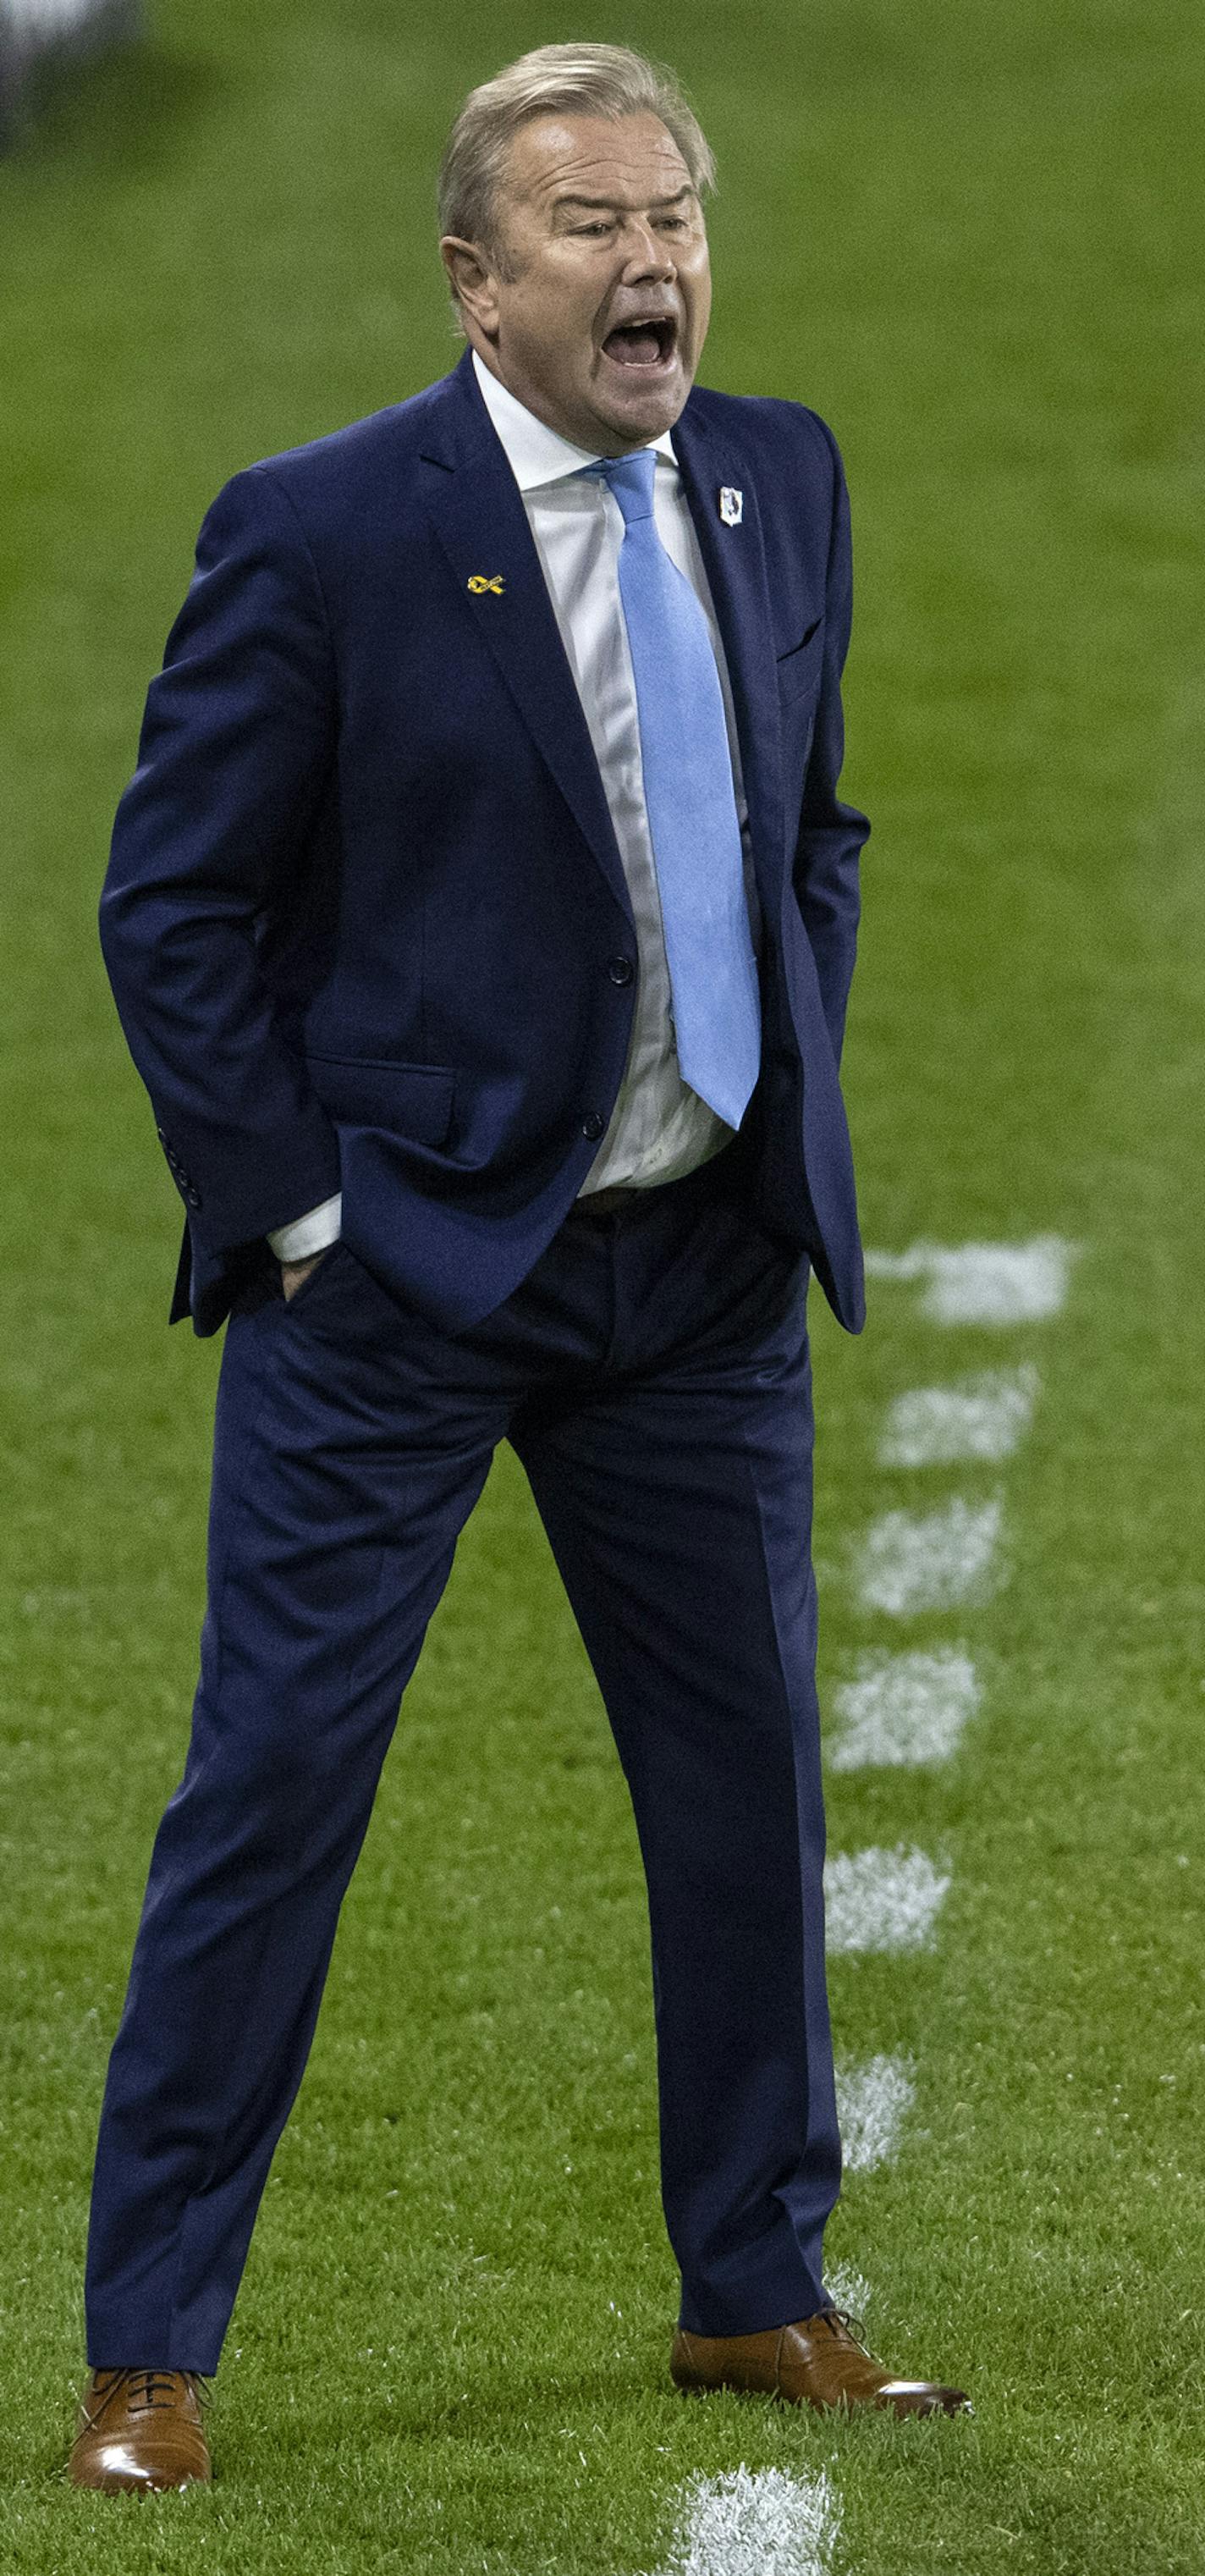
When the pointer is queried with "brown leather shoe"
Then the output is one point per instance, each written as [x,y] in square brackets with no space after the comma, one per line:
[140,2431]
[817,2363]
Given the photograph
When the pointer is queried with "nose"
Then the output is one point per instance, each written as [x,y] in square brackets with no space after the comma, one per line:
[646,256]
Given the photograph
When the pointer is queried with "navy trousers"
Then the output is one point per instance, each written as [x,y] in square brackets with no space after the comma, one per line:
[652,1374]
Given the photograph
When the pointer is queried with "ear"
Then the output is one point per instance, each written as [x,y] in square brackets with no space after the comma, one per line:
[473,283]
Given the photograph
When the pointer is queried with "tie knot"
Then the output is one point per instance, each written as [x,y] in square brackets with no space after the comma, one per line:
[631,480]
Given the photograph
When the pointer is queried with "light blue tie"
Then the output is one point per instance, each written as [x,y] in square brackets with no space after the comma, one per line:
[691,806]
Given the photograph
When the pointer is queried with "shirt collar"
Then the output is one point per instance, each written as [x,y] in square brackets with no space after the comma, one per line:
[535,453]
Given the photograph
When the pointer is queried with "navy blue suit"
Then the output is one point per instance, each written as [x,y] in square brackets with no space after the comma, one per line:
[368,930]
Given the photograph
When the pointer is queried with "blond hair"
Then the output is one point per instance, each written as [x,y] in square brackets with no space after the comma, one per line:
[583,80]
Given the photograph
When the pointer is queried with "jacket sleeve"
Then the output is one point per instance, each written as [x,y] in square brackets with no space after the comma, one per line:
[235,752]
[831,834]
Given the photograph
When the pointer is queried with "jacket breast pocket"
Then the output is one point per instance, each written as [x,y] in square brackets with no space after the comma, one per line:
[414,1100]
[799,669]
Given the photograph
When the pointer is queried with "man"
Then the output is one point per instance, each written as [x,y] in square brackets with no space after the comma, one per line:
[481,917]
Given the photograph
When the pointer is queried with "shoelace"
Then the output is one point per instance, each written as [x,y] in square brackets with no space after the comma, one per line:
[854,2326]
[151,2387]
[143,2389]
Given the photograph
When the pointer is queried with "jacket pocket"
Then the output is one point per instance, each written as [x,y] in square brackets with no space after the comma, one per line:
[414,1100]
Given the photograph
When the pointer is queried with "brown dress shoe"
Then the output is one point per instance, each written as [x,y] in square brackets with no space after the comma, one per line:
[139,2432]
[817,2363]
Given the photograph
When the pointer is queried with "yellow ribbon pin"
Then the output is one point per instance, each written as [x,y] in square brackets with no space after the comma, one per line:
[479,581]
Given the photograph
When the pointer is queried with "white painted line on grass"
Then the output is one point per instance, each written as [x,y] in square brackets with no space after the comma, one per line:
[849,2289]
[913,1561]
[881,1900]
[873,2101]
[902,1710]
[49,17]
[755,2522]
[979,1417]
[984,1283]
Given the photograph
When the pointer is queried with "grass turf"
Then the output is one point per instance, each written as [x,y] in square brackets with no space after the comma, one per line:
[968,238]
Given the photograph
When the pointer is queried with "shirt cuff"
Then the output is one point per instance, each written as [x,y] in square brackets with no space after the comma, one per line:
[310,1234]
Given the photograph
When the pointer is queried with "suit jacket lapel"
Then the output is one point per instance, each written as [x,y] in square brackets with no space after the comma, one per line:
[477,511]
[735,563]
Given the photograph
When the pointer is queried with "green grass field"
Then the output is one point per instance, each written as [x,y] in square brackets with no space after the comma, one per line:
[971,237]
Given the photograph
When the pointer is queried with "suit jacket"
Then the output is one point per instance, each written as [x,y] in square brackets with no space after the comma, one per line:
[365,906]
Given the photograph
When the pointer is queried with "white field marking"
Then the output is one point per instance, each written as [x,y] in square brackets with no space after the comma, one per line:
[755,2522]
[849,2289]
[903,1709]
[914,1561]
[873,2101]
[979,1417]
[984,1283]
[881,1900]
[47,17]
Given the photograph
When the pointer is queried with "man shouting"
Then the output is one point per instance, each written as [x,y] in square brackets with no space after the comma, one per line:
[481,918]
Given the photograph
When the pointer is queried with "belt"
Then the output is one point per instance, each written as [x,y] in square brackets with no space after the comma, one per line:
[606,1202]
[626,1195]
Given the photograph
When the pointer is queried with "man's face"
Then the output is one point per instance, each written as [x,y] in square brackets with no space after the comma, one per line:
[600,325]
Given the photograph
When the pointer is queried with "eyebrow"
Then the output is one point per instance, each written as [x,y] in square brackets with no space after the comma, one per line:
[608,206]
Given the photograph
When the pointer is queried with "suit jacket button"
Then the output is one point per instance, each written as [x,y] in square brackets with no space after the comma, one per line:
[593,1126]
[193,1197]
[620,969]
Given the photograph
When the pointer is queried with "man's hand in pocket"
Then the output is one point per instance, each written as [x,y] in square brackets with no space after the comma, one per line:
[292,1273]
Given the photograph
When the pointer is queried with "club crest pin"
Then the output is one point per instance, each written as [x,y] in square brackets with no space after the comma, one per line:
[732,505]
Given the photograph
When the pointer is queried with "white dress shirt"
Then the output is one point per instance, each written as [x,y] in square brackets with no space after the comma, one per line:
[659,1129]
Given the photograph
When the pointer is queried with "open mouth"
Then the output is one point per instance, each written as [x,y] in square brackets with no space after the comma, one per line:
[650,343]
